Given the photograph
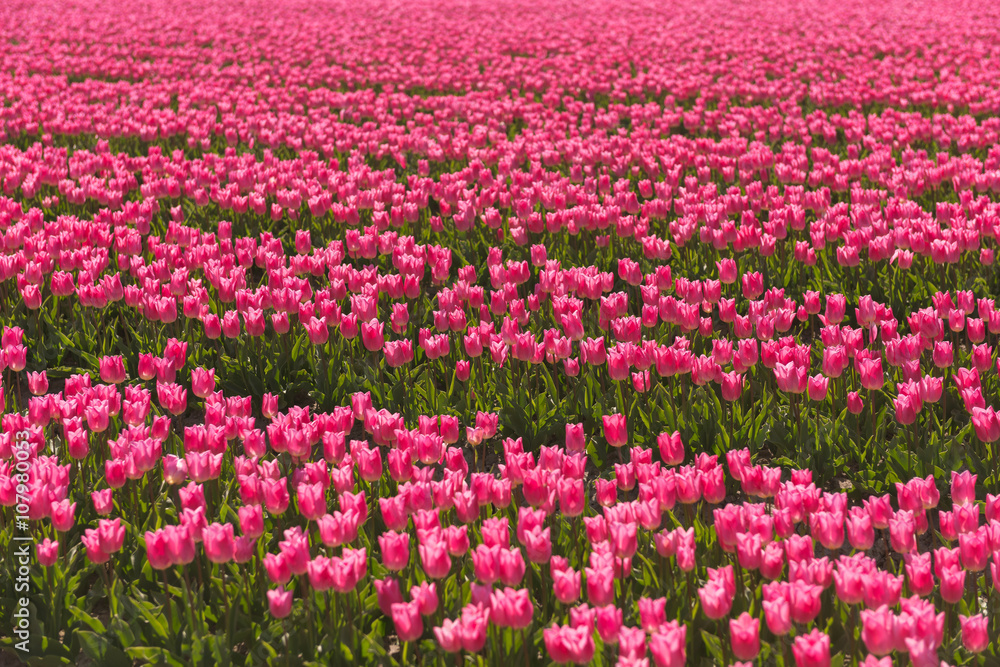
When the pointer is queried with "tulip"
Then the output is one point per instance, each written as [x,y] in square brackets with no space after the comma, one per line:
[805,601]
[435,559]
[219,542]
[942,355]
[901,532]
[202,382]
[952,584]
[963,487]
[38,383]
[753,285]
[828,527]
[102,500]
[474,622]
[449,636]
[870,373]
[407,621]
[727,270]
[600,586]
[668,645]
[312,500]
[48,552]
[395,549]
[817,387]
[575,438]
[975,634]
[716,600]
[732,386]
[566,585]
[426,597]
[279,602]
[671,448]
[918,574]
[631,643]
[777,614]
[537,544]
[975,549]
[855,404]
[744,635]
[877,629]
[812,650]
[511,608]
[986,424]
[63,515]
[251,520]
[860,531]
[372,335]
[615,430]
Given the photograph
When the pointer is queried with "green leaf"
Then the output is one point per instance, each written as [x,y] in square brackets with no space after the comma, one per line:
[345,651]
[93,645]
[714,646]
[153,655]
[48,661]
[100,650]
[124,632]
[87,619]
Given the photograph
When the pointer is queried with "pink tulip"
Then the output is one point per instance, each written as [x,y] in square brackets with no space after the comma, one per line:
[511,608]
[812,650]
[877,628]
[901,532]
[395,550]
[986,424]
[615,430]
[566,585]
[38,383]
[449,636]
[918,574]
[744,635]
[952,584]
[425,594]
[434,559]
[279,602]
[860,530]
[202,382]
[668,645]
[975,634]
[609,623]
[716,600]
[818,387]
[407,621]
[219,542]
[48,552]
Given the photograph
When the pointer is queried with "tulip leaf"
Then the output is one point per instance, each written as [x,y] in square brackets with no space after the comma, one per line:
[714,646]
[123,630]
[49,660]
[100,650]
[88,620]
[153,655]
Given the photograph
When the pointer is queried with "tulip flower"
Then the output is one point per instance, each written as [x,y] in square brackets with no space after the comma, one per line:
[407,621]
[744,635]
[219,542]
[812,650]
[668,645]
[48,552]
[279,602]
[975,634]
[615,430]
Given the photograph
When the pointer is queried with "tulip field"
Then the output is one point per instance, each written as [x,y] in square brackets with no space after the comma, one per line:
[476,333]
